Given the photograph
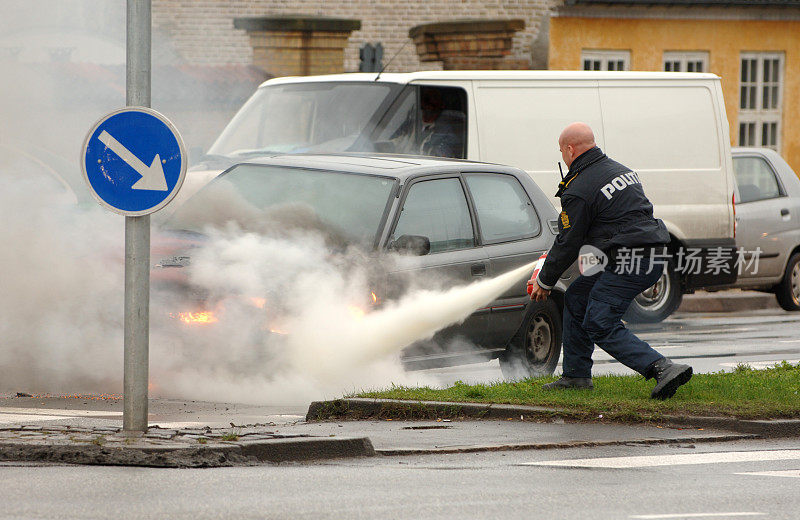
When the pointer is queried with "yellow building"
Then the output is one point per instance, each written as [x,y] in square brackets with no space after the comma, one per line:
[754,46]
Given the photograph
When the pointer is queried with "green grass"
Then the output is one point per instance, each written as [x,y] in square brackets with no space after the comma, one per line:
[230,437]
[744,393]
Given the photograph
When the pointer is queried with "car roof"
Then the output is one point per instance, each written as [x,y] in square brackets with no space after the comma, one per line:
[388,165]
[750,150]
[437,75]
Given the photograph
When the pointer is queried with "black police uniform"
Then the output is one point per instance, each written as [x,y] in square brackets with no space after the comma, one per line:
[603,205]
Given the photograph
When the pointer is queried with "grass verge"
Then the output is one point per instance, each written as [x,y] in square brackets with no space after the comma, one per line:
[744,393]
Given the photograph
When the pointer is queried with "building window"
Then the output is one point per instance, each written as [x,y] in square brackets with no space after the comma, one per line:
[606,60]
[686,62]
[760,99]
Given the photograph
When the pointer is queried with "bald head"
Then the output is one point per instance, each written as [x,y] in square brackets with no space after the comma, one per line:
[574,140]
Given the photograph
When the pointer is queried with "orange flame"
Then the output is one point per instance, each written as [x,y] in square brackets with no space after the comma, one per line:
[374,297]
[259,302]
[196,318]
[355,312]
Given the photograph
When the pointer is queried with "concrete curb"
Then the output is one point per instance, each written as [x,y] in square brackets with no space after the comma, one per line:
[727,301]
[360,408]
[398,409]
[181,455]
[763,428]
[310,448]
[559,445]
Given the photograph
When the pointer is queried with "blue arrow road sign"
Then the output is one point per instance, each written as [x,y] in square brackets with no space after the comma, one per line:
[134,161]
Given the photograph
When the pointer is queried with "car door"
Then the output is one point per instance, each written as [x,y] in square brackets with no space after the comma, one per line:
[511,231]
[437,208]
[763,215]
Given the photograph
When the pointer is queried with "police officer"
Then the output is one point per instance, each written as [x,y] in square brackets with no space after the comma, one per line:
[604,206]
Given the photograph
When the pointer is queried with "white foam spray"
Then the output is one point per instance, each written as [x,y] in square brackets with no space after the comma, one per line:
[327,343]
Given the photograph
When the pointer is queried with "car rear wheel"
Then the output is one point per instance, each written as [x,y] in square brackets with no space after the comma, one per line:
[788,291]
[535,349]
[659,301]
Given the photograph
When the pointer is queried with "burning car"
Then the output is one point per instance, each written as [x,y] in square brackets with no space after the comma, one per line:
[405,221]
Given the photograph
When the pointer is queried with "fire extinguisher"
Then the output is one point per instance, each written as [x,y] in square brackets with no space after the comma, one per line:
[536,268]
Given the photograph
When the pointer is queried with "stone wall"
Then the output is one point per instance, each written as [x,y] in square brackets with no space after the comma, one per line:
[202,31]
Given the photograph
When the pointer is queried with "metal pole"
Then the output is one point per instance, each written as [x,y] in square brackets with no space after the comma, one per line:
[137,236]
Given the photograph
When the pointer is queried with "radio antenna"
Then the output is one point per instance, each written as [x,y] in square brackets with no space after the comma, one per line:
[560,170]
[392,59]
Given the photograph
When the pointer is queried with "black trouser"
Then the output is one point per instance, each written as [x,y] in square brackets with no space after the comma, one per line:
[593,310]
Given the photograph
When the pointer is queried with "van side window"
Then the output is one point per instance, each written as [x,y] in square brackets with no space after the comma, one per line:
[755,179]
[437,209]
[427,121]
[504,210]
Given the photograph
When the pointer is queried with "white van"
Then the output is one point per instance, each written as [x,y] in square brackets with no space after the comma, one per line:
[671,128]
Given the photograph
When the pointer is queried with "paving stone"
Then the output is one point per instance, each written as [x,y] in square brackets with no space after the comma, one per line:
[161,431]
[156,436]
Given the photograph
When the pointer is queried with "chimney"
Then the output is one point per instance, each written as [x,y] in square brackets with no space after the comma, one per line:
[298,45]
[469,44]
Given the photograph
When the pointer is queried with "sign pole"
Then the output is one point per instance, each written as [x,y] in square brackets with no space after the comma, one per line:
[137,235]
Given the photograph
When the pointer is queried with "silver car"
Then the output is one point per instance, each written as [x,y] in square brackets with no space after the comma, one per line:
[768,219]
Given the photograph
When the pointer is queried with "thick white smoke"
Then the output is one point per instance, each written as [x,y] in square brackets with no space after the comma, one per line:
[326,340]
[61,260]
[61,295]
[62,306]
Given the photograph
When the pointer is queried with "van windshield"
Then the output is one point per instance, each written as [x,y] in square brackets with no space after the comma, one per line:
[304,117]
[324,117]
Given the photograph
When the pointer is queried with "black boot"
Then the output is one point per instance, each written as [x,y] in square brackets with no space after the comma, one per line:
[669,376]
[581,383]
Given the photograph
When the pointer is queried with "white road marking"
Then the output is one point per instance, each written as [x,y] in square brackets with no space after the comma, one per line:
[7,418]
[794,473]
[703,332]
[789,341]
[32,415]
[63,413]
[700,515]
[671,460]
[178,425]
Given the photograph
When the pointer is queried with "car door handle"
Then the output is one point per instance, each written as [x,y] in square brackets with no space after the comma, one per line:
[478,269]
[784,212]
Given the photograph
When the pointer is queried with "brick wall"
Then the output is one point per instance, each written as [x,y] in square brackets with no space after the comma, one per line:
[202,31]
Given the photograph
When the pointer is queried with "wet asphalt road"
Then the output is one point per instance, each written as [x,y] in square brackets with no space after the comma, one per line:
[709,342]
[727,481]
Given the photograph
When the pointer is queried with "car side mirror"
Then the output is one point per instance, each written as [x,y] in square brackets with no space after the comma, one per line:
[412,245]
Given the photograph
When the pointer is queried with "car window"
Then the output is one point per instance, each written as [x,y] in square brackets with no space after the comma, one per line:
[275,200]
[437,209]
[755,179]
[428,121]
[504,210]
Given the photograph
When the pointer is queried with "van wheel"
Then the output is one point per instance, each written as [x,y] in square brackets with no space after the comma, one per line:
[659,301]
[788,291]
[535,349]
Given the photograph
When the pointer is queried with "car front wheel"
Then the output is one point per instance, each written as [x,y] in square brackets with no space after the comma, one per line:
[788,291]
[659,301]
[535,349]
